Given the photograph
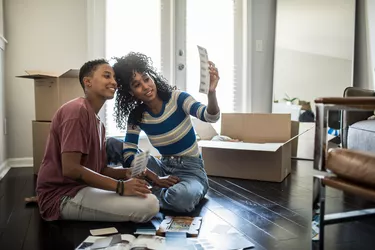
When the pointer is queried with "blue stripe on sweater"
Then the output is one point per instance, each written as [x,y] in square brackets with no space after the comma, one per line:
[133,138]
[181,98]
[202,115]
[181,145]
[169,124]
[129,160]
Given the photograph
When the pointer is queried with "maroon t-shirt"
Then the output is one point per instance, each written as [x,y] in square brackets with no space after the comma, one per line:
[74,128]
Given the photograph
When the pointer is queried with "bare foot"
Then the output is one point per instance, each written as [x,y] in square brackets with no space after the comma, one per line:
[32,199]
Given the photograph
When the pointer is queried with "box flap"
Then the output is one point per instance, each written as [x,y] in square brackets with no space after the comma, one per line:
[300,133]
[204,130]
[37,74]
[72,73]
[257,128]
[270,147]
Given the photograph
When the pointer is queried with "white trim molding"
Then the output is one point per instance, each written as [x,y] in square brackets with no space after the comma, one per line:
[4,168]
[20,162]
[15,163]
[3,42]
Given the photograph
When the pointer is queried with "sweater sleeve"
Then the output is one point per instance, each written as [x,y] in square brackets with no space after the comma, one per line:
[130,147]
[195,108]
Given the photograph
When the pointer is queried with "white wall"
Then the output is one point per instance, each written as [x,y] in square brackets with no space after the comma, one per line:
[314,48]
[362,57]
[316,27]
[3,143]
[2,17]
[308,76]
[44,35]
[263,17]
[370,29]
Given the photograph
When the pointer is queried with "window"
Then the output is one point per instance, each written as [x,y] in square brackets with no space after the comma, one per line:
[131,27]
[213,30]
[169,31]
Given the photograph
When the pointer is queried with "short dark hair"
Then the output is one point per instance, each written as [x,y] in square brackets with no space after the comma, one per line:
[88,68]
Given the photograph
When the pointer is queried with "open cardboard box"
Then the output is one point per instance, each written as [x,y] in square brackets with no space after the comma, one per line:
[53,90]
[41,132]
[264,153]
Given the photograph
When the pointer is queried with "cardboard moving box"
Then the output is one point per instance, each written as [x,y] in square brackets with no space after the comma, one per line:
[53,90]
[40,135]
[264,153]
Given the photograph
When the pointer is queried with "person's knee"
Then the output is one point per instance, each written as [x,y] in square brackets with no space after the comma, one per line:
[149,207]
[153,205]
[182,199]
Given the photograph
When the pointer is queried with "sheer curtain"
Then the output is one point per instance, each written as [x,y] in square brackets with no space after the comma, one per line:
[130,27]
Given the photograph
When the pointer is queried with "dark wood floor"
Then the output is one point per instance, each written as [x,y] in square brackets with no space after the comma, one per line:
[271,215]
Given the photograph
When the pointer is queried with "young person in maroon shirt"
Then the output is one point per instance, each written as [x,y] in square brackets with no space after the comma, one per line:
[74,182]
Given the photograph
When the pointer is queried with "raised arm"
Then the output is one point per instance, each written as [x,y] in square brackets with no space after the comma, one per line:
[209,113]
[197,109]
[212,106]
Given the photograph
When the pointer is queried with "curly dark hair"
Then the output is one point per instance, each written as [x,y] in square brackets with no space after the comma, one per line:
[127,109]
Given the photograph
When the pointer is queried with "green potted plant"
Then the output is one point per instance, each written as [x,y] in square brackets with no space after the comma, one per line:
[289,100]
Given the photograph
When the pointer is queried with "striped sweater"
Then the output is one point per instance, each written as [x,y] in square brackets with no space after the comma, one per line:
[171,131]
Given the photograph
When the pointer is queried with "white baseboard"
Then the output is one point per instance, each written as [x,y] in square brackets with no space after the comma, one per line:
[15,163]
[20,162]
[4,168]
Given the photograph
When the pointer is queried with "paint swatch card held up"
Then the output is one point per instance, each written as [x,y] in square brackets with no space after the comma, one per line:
[204,85]
[140,163]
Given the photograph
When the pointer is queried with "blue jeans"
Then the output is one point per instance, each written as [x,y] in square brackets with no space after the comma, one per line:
[182,197]
[193,185]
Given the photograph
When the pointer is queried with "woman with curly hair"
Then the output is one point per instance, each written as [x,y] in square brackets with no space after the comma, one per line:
[145,101]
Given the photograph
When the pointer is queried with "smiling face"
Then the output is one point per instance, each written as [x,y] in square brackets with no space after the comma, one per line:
[101,82]
[143,87]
